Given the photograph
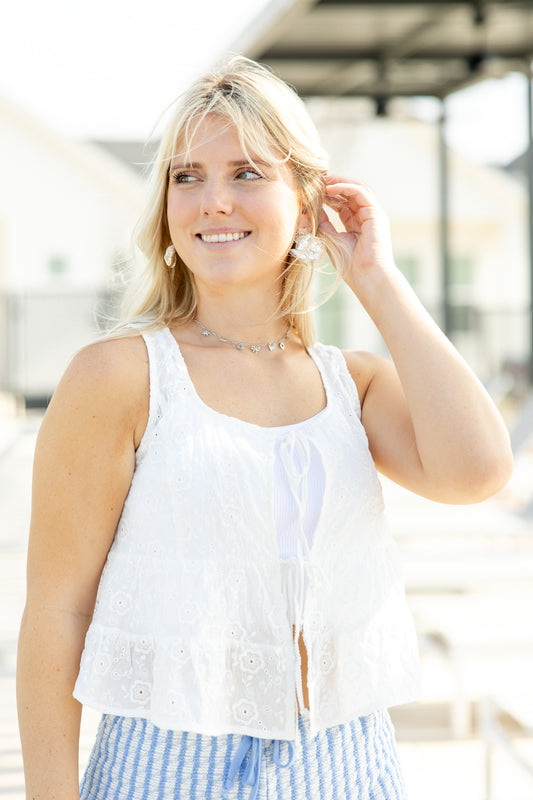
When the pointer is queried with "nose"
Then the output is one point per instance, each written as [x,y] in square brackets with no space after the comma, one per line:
[216,198]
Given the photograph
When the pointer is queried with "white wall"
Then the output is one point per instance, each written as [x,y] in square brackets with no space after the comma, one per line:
[65,202]
[59,200]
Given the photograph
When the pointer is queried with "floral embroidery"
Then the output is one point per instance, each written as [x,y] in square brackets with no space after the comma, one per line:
[245,711]
[145,644]
[326,663]
[179,653]
[189,612]
[191,622]
[141,691]
[182,481]
[176,701]
[121,603]
[235,630]
[231,516]
[250,661]
[102,663]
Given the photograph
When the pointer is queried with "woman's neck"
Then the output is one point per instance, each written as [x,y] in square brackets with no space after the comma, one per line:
[250,319]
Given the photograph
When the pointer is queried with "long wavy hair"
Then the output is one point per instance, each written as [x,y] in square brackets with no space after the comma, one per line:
[269,118]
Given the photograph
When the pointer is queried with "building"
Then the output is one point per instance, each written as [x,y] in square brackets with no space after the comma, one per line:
[67,210]
[398,159]
[66,214]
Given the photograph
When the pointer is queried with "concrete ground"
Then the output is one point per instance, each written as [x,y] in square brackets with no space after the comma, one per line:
[469,575]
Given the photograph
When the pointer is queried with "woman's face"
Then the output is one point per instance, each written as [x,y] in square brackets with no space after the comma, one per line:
[231,222]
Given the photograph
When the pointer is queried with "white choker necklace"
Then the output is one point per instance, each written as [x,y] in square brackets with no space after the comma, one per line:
[255,348]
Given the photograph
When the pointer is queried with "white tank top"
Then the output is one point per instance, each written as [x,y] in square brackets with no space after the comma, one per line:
[219,547]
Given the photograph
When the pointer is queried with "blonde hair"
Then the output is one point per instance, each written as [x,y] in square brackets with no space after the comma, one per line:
[269,117]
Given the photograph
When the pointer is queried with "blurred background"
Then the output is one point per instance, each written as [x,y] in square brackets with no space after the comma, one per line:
[430,103]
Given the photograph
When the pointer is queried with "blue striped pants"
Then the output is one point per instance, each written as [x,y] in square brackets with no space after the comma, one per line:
[134,760]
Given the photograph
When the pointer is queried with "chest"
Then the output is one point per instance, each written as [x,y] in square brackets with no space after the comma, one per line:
[262,389]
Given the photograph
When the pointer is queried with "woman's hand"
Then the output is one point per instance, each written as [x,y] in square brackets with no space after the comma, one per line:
[366,239]
[430,424]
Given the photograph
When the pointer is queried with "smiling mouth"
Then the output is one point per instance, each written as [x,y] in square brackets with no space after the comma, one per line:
[223,237]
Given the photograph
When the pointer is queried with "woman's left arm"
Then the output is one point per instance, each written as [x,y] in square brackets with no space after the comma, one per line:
[431,425]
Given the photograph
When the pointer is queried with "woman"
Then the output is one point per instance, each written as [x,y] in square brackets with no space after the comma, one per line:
[250,627]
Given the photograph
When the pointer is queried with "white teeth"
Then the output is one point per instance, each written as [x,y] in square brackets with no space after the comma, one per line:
[222,237]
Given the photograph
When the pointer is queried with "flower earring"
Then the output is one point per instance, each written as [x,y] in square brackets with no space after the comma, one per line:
[170,256]
[307,248]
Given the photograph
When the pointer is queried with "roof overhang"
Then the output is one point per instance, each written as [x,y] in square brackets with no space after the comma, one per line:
[384,49]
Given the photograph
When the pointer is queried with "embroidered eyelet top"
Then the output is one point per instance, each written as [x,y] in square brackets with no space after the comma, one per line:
[193,623]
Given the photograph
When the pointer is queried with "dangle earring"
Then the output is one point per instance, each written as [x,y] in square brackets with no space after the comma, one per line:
[170,256]
[307,248]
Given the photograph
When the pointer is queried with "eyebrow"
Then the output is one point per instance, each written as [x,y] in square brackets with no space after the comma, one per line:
[242,162]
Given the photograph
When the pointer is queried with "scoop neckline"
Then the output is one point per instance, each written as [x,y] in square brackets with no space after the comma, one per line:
[267,429]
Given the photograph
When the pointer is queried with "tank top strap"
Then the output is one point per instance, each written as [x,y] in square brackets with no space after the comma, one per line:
[336,376]
[167,376]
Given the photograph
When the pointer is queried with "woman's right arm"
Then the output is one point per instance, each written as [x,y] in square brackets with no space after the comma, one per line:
[84,462]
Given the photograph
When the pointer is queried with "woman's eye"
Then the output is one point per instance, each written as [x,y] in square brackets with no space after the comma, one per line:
[183,177]
[248,174]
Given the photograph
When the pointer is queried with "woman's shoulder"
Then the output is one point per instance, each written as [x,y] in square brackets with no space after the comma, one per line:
[358,365]
[107,379]
[363,366]
[116,361]
[359,362]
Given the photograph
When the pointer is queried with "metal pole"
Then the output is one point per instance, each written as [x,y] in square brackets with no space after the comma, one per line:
[530,212]
[444,224]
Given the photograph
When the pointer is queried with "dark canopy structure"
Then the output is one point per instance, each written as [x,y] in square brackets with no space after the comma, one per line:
[391,48]
[388,48]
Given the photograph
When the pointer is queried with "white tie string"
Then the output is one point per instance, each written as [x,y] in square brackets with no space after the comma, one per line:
[295,455]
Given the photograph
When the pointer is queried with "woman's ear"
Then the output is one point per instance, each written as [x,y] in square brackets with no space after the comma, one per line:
[305,221]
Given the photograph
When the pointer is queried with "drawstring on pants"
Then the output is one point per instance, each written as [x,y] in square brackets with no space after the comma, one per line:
[252,773]
[295,456]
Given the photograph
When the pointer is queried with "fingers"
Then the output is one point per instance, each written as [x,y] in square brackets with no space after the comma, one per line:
[352,200]
[325,224]
[340,193]
[331,180]
[335,201]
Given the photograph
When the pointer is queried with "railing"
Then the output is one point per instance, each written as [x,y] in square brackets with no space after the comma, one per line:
[494,734]
[40,330]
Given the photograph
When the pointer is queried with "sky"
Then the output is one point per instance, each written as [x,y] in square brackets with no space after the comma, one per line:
[108,69]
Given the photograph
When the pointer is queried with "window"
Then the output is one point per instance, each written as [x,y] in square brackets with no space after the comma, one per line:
[461,270]
[329,314]
[57,266]
[464,318]
[408,266]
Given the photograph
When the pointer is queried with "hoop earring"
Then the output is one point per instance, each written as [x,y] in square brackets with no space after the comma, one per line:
[170,256]
[307,248]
